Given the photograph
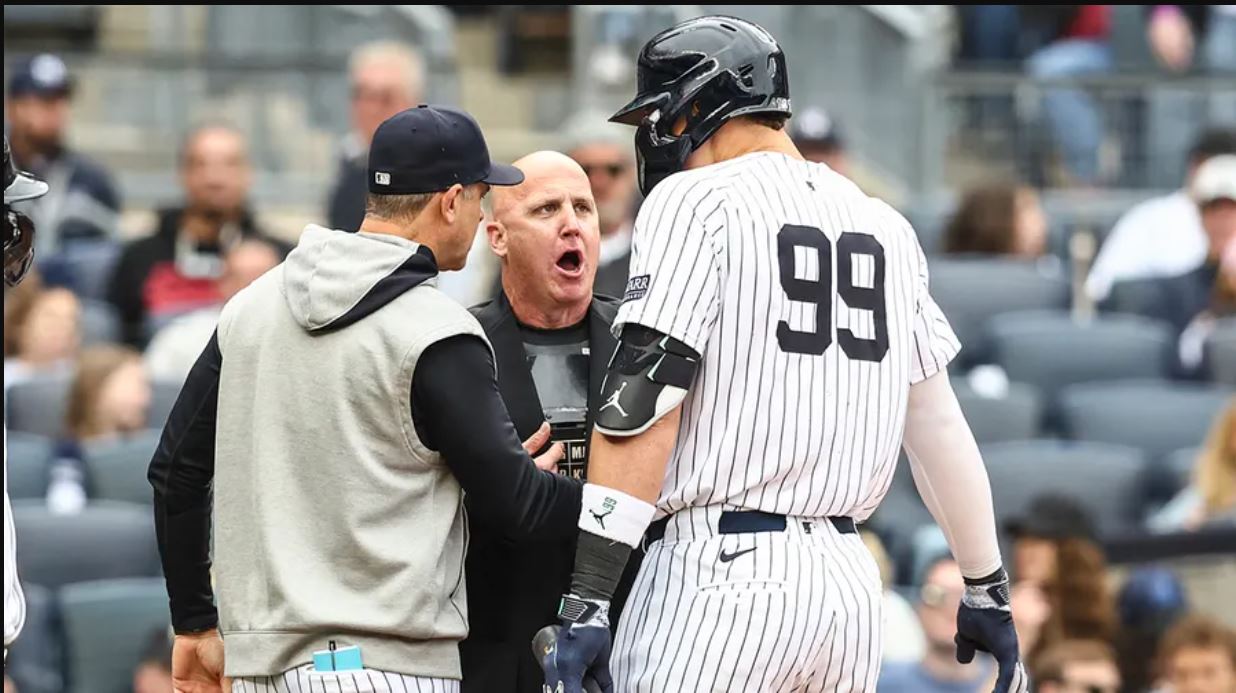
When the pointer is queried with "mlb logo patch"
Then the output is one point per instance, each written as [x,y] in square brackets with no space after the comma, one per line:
[381,178]
[637,287]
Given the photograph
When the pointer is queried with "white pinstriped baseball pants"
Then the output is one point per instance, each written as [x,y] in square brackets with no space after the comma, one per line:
[799,612]
[305,680]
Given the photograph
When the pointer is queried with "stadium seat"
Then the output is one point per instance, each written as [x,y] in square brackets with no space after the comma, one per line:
[1013,416]
[106,540]
[1105,479]
[1155,417]
[117,469]
[971,291]
[36,659]
[99,323]
[1052,350]
[898,518]
[27,460]
[1178,467]
[1221,353]
[87,265]
[38,405]
[161,402]
[107,625]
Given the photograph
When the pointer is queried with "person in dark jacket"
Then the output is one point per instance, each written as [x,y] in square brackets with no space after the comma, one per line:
[174,270]
[385,77]
[552,341]
[83,203]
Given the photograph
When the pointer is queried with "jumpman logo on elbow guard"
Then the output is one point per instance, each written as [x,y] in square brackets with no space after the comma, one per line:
[615,401]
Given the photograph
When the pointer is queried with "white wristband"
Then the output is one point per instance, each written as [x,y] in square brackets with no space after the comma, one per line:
[612,514]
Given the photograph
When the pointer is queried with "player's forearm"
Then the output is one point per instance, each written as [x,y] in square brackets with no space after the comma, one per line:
[634,465]
[625,476]
[950,476]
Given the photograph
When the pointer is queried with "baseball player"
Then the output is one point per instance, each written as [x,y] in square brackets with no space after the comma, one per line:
[18,254]
[777,345]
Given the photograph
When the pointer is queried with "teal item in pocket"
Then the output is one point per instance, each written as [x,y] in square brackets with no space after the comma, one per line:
[338,659]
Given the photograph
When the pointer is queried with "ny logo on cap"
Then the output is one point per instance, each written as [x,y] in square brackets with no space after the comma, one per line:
[381,178]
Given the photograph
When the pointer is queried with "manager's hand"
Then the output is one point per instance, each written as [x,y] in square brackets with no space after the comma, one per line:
[197,664]
[548,461]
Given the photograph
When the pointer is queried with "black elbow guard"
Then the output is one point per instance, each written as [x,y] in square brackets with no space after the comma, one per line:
[647,377]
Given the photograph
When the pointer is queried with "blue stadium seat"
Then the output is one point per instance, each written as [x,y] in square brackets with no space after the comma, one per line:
[971,291]
[107,625]
[37,406]
[1105,479]
[1221,353]
[106,540]
[36,660]
[117,469]
[1156,417]
[163,398]
[1013,416]
[88,265]
[28,457]
[1051,350]
[1178,467]
[99,323]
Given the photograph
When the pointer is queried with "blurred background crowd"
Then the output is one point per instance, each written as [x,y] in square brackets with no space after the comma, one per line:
[1070,170]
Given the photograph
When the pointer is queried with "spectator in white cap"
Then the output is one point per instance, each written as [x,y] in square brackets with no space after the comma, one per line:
[606,152]
[1162,236]
[83,203]
[1192,301]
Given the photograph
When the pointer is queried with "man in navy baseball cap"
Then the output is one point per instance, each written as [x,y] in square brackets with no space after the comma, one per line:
[430,148]
[429,167]
[85,203]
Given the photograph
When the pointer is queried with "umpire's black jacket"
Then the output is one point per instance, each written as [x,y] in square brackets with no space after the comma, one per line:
[514,589]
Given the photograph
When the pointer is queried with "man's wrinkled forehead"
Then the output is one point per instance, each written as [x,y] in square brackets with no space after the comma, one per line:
[548,176]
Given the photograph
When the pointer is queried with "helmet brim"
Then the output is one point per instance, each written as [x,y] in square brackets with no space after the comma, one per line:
[24,187]
[634,112]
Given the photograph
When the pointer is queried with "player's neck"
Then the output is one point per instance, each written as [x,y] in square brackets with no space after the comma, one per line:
[739,138]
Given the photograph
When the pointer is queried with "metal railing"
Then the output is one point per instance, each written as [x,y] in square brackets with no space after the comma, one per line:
[977,125]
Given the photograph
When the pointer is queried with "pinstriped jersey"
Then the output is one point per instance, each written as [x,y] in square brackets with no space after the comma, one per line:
[809,303]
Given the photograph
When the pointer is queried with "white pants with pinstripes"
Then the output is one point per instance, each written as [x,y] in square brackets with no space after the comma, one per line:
[797,610]
[305,680]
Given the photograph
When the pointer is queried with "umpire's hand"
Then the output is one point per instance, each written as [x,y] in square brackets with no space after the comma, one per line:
[197,664]
[985,624]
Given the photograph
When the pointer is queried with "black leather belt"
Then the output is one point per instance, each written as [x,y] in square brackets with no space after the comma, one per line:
[747,521]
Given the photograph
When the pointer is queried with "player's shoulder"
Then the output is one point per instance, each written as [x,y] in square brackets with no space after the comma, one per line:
[885,217]
[693,187]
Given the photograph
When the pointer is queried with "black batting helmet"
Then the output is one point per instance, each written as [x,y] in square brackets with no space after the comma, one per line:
[706,70]
[18,228]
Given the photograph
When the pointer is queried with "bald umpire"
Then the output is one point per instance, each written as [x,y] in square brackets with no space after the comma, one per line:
[340,411]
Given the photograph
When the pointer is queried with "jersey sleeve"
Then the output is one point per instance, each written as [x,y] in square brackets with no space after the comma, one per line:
[934,343]
[674,285]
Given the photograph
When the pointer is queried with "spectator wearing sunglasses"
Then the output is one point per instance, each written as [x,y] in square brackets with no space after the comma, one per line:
[938,671]
[385,77]
[606,152]
[1078,666]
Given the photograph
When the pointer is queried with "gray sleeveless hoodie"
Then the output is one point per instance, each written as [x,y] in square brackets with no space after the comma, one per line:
[333,521]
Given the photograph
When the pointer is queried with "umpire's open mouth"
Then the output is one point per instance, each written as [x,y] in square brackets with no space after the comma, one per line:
[571,263]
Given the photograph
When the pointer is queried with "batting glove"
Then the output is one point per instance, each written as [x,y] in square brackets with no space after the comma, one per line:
[985,624]
[582,648]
